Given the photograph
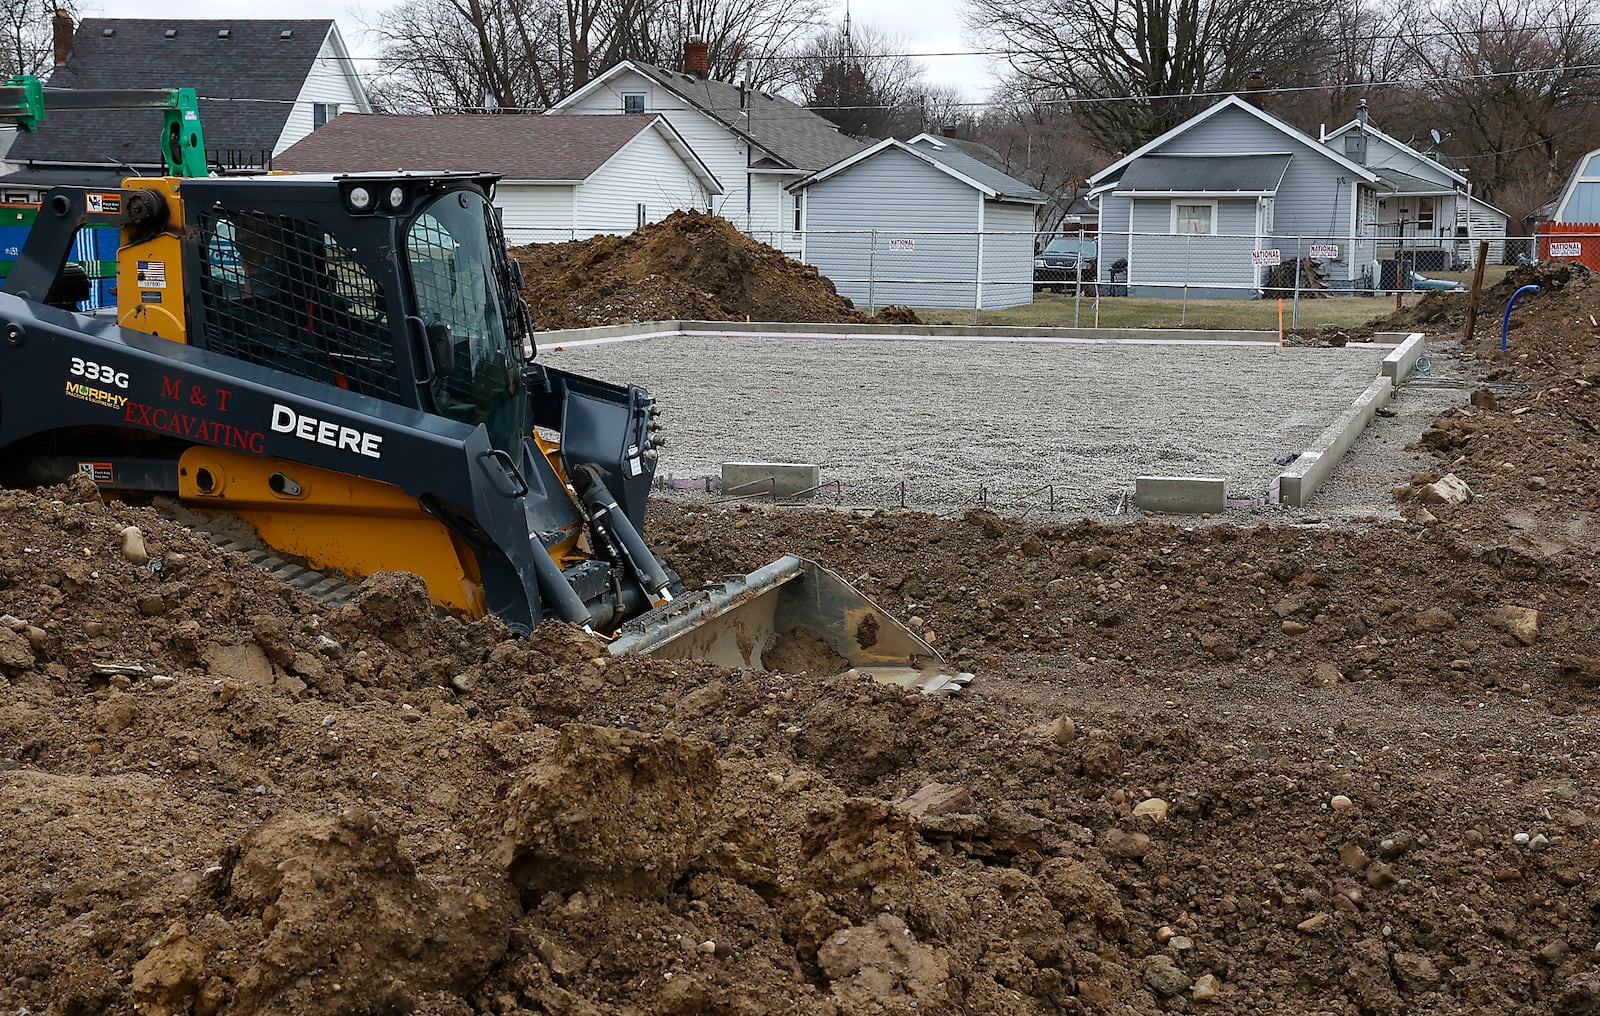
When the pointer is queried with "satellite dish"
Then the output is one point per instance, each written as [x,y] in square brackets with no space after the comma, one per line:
[1435,135]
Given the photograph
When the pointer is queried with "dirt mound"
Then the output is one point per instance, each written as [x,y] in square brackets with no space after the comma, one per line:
[689,266]
[1446,313]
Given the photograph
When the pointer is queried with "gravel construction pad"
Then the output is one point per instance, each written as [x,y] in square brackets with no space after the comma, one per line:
[953,419]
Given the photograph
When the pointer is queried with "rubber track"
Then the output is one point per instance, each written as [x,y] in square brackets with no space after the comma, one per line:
[329,588]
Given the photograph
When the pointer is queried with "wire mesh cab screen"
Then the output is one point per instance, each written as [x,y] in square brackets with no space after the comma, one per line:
[281,292]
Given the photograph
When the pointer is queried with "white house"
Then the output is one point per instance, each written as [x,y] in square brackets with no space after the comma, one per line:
[1422,201]
[757,144]
[919,222]
[562,177]
[263,85]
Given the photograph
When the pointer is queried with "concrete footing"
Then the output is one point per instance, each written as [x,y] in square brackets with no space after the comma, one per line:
[1314,465]
[779,479]
[1398,365]
[1180,495]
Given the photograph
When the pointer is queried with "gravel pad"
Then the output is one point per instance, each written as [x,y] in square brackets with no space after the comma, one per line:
[960,423]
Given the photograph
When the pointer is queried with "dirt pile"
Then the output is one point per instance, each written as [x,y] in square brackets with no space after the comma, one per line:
[1239,769]
[689,266]
[1446,312]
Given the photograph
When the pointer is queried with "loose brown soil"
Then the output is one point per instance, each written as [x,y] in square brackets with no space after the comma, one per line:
[689,266]
[1267,769]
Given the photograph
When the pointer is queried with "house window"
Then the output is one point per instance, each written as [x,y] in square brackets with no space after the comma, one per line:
[1194,218]
[1425,215]
[322,112]
[797,226]
[644,216]
[633,102]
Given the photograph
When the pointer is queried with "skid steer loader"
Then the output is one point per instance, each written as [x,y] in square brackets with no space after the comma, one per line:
[344,362]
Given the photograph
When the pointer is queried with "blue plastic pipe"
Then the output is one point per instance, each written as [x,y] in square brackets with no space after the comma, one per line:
[1505,326]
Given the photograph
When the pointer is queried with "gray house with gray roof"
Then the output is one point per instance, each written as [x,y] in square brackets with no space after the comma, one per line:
[755,143]
[923,223]
[1199,209]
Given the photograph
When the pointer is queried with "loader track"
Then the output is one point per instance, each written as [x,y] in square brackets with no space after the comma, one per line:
[235,536]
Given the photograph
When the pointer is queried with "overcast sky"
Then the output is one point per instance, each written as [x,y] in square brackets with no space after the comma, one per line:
[926,27]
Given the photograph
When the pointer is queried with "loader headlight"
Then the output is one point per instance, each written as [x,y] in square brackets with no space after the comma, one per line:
[397,197]
[360,199]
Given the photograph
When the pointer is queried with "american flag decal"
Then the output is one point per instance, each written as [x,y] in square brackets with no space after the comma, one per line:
[152,274]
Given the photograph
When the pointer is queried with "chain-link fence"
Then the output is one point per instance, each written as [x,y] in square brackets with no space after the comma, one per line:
[995,270]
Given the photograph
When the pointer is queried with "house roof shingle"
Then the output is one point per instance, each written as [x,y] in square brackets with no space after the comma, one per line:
[247,82]
[955,157]
[793,134]
[518,147]
[1212,174]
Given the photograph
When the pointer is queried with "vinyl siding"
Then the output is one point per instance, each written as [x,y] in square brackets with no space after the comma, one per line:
[645,171]
[536,213]
[1162,259]
[326,82]
[931,217]
[752,202]
[1008,253]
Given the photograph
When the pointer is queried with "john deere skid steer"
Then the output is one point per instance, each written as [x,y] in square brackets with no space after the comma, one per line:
[344,362]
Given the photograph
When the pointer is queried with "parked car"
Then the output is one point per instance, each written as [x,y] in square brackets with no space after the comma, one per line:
[1065,261]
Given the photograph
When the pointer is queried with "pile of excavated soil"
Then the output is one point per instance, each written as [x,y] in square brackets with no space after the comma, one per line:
[1270,769]
[1446,312]
[689,266]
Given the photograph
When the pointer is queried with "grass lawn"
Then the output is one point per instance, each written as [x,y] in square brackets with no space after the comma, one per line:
[1061,311]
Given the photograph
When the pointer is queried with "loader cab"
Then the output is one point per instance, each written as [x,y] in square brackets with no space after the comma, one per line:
[393,286]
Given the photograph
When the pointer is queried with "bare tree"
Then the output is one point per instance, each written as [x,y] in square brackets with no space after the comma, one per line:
[1040,142]
[859,77]
[1151,63]
[1515,82]
[26,30]
[520,54]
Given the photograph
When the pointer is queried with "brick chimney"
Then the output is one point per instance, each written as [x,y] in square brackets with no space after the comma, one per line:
[61,28]
[696,57]
[948,132]
[1255,89]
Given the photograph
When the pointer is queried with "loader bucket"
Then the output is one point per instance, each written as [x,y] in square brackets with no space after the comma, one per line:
[734,623]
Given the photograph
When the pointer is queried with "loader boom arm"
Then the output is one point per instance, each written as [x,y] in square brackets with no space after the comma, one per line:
[24,101]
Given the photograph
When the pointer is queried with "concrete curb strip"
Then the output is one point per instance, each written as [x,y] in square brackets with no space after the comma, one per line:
[1312,469]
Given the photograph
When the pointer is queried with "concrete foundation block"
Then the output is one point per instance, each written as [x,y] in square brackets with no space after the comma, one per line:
[1399,363]
[1180,495]
[1312,469]
[780,479]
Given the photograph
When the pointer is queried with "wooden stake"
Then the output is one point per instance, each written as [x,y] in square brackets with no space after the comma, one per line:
[1477,291]
[1280,322]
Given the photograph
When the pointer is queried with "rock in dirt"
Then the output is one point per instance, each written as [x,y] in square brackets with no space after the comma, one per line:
[1061,730]
[169,977]
[1153,808]
[609,807]
[133,546]
[871,966]
[938,799]
[1206,988]
[1164,977]
[1448,489]
[1521,623]
[1121,843]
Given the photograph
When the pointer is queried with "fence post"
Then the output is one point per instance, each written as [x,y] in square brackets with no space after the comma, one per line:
[1188,259]
[872,273]
[1077,286]
[977,289]
[1299,248]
